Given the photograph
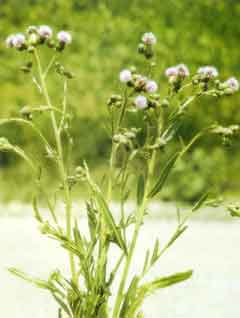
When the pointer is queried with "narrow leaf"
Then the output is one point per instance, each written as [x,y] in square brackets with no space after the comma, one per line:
[200,202]
[163,177]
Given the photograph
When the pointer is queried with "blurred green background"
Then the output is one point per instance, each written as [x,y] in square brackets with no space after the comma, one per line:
[106,34]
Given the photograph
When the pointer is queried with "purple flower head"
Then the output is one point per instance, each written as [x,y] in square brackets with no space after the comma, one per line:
[208,71]
[140,102]
[9,41]
[64,37]
[18,40]
[183,70]
[151,86]
[45,32]
[233,84]
[149,38]
[171,71]
[125,76]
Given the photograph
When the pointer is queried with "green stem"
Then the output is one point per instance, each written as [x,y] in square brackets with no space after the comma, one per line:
[140,215]
[60,161]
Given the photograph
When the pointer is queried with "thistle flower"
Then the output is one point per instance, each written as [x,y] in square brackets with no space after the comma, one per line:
[232,84]
[151,86]
[183,70]
[18,40]
[171,71]
[149,38]
[140,102]
[9,41]
[45,32]
[125,76]
[64,37]
[208,71]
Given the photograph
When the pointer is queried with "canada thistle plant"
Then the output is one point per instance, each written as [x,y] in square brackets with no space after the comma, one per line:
[91,289]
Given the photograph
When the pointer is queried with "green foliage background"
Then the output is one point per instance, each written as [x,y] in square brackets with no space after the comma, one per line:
[106,34]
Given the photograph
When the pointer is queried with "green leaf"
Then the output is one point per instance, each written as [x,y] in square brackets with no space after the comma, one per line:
[166,281]
[140,190]
[200,202]
[62,304]
[155,254]
[163,177]
[110,221]
[35,281]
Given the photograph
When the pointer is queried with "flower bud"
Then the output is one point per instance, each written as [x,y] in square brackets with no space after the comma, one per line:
[165,103]
[32,29]
[141,48]
[33,39]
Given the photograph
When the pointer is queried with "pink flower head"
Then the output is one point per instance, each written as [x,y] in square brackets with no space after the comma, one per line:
[45,32]
[208,71]
[9,41]
[64,37]
[18,40]
[183,70]
[171,71]
[233,84]
[140,102]
[125,76]
[151,86]
[149,38]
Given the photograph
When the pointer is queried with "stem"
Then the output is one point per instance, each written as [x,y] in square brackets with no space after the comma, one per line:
[140,215]
[63,174]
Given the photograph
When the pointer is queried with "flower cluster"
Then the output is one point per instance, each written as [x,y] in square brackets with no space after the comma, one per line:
[140,84]
[146,46]
[35,36]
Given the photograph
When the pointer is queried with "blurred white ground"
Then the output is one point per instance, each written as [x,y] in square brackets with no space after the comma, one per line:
[211,248]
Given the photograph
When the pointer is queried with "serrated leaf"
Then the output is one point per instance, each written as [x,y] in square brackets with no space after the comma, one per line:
[163,177]
[140,189]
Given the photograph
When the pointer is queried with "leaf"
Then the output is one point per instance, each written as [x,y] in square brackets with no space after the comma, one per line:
[140,190]
[110,221]
[62,304]
[35,281]
[176,235]
[155,254]
[129,297]
[200,202]
[166,281]
[163,177]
